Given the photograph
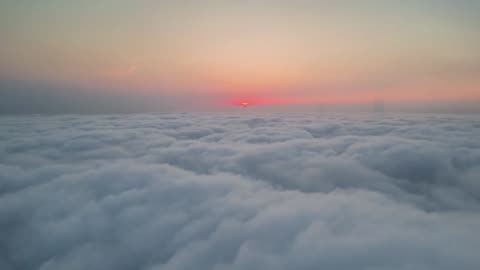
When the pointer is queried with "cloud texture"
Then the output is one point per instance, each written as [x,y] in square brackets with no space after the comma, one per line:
[280,191]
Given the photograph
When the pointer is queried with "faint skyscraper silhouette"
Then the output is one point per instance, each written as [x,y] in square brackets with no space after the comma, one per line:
[379,105]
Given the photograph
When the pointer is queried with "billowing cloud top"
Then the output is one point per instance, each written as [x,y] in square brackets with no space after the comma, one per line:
[291,191]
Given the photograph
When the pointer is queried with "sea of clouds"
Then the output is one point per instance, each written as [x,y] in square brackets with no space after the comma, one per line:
[240,191]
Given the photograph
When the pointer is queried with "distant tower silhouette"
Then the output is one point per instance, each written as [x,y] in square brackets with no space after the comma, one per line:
[379,105]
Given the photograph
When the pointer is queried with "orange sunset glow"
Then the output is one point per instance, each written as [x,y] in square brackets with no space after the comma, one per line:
[239,134]
[264,54]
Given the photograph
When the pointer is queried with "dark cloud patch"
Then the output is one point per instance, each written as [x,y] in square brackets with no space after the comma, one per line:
[289,191]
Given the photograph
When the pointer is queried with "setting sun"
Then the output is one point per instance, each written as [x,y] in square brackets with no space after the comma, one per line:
[242,134]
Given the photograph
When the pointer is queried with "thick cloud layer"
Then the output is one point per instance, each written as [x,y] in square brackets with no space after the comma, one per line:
[281,191]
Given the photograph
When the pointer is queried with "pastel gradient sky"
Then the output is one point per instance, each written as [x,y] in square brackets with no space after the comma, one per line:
[147,55]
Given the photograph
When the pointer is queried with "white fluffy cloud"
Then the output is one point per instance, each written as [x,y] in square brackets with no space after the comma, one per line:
[281,191]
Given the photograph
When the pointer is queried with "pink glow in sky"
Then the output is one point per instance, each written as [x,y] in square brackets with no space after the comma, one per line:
[270,52]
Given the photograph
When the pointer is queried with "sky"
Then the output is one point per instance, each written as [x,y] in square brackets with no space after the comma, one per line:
[135,56]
